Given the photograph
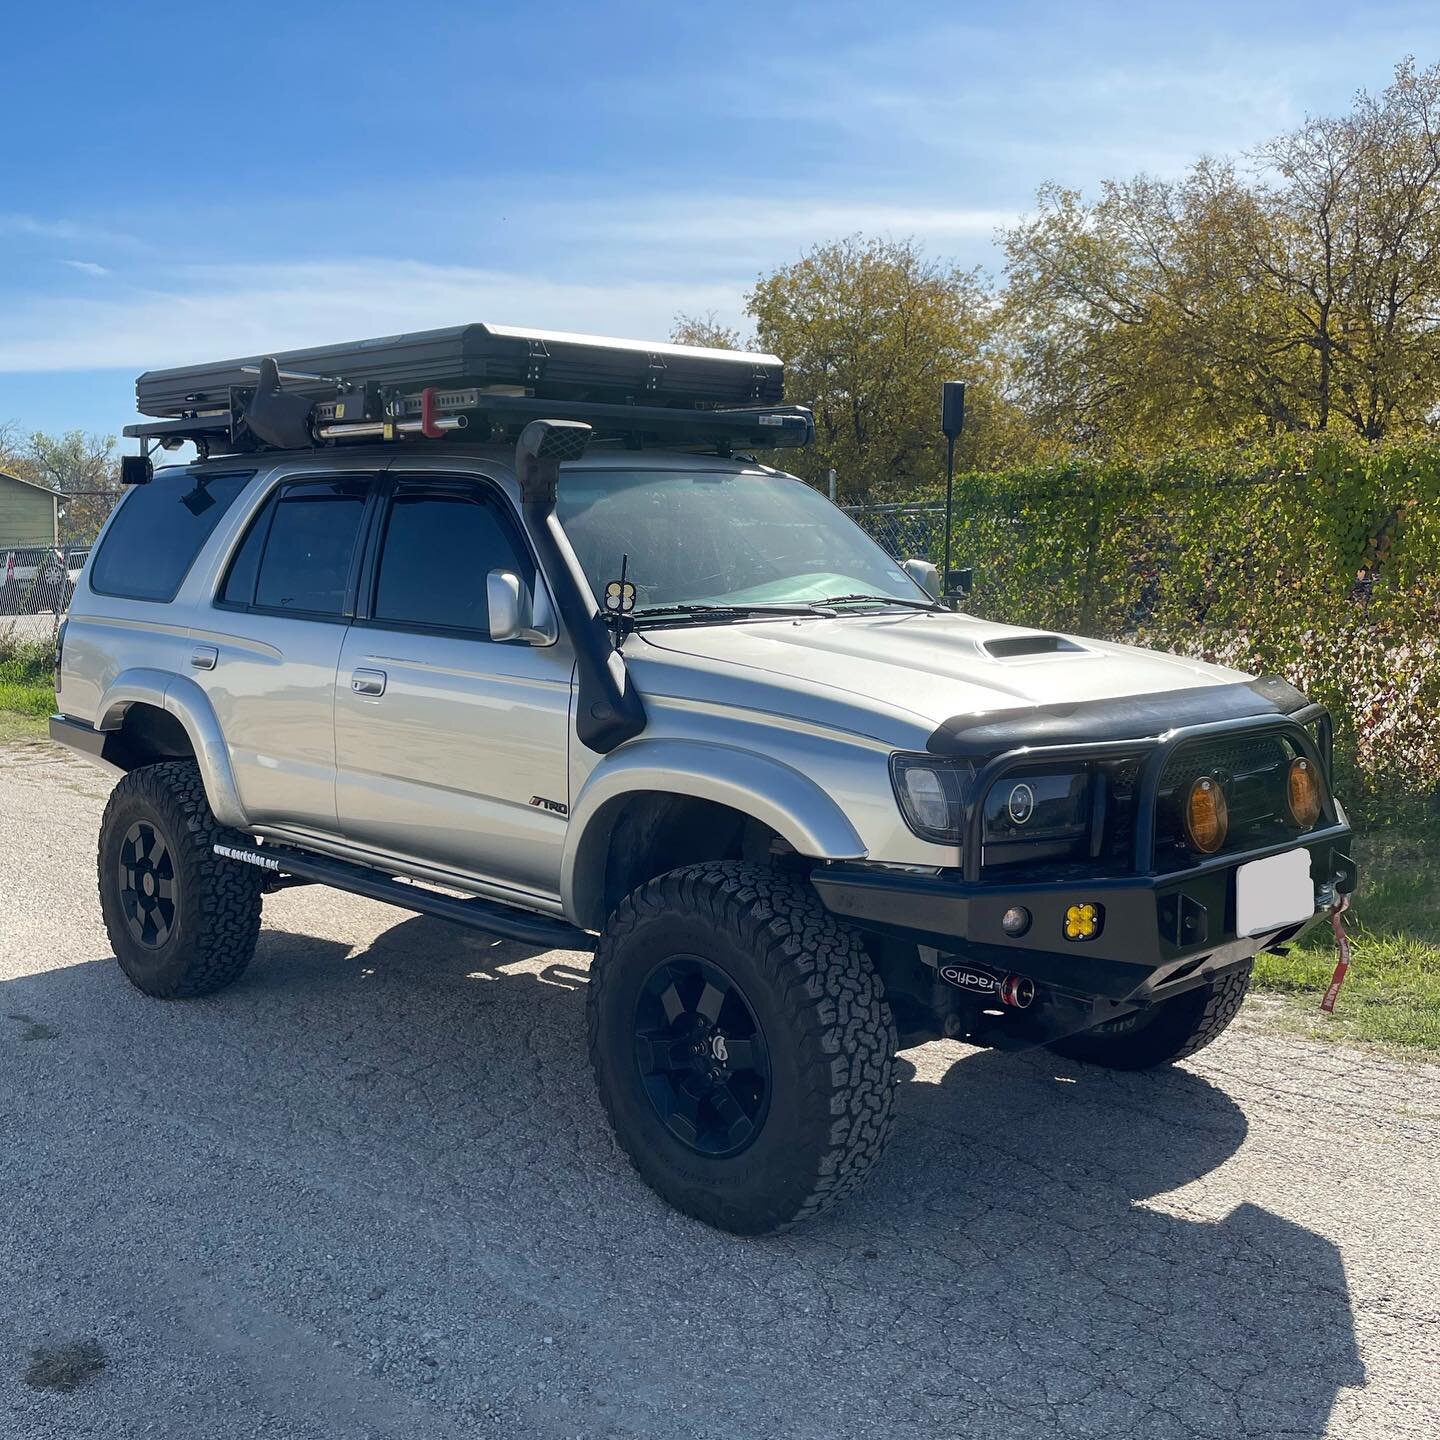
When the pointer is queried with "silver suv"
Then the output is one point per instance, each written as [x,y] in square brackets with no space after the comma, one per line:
[675,707]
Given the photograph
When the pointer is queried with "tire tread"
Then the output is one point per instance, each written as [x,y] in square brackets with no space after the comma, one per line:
[227,895]
[1180,1027]
[829,990]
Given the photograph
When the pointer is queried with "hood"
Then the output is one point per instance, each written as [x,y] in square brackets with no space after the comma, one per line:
[933,665]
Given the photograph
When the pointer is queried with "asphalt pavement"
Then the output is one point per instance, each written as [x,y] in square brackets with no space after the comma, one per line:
[368,1192]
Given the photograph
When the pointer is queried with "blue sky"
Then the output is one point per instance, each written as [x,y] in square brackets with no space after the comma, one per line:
[187,182]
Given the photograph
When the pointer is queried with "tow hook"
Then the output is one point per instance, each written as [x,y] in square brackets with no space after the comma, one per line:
[1015,991]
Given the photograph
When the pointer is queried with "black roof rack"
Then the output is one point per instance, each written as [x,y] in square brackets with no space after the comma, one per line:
[482,383]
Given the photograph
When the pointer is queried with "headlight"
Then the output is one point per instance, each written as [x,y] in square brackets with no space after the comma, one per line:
[1046,805]
[932,795]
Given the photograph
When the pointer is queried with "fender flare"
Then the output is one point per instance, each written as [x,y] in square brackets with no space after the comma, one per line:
[181,697]
[767,790]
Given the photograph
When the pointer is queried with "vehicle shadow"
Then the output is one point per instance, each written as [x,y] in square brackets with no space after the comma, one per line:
[372,1192]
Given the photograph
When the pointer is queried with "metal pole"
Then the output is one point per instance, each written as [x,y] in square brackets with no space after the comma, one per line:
[949,508]
[830,477]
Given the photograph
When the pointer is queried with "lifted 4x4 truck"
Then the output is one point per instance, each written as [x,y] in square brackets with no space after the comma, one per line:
[512,628]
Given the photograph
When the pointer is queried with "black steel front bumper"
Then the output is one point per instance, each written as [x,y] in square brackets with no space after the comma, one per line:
[1163,930]
[1158,930]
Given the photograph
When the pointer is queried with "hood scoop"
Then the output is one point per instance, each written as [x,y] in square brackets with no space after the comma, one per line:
[1014,647]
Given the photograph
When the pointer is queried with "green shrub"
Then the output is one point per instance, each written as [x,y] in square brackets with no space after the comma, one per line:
[1316,560]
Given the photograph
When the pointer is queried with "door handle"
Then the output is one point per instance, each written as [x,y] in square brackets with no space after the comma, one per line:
[203,657]
[368,682]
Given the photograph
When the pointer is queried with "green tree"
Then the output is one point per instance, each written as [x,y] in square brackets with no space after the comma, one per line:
[868,330]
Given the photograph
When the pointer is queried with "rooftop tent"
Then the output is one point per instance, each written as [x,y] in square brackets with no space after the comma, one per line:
[488,380]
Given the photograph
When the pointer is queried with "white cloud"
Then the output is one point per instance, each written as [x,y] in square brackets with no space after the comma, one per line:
[622,270]
[236,310]
[751,232]
[43,228]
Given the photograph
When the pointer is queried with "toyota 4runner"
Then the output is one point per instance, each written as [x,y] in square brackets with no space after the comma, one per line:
[512,628]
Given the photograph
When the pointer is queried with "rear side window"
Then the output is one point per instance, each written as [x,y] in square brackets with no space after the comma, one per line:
[300,550]
[440,545]
[159,530]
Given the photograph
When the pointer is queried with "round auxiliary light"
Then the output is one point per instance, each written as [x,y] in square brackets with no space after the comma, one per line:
[1302,793]
[1015,921]
[1207,816]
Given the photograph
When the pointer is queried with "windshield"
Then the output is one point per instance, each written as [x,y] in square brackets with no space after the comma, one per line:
[722,538]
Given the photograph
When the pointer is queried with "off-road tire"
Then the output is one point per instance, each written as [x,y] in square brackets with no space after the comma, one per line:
[1160,1034]
[822,1009]
[217,902]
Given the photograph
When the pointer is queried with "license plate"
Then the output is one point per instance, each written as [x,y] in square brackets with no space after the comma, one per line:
[1273,892]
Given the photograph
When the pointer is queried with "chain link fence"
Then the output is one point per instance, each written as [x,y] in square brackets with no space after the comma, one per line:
[40,579]
[908,532]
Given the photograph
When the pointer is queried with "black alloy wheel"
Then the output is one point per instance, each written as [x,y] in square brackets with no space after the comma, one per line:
[149,888]
[702,1056]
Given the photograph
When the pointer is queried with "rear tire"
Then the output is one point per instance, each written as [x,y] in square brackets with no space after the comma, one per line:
[1161,1034]
[182,921]
[742,1046]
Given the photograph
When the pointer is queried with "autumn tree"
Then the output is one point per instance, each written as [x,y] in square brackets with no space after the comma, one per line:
[705,330]
[1295,293]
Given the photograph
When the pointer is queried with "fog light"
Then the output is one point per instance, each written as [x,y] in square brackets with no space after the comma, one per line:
[1207,816]
[1302,793]
[1016,920]
[1083,922]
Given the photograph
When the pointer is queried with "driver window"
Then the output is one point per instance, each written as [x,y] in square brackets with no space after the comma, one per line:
[440,544]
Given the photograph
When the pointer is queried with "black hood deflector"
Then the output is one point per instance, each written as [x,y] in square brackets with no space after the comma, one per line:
[1132,717]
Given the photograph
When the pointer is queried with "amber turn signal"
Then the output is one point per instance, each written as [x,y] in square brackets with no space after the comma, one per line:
[1207,816]
[1302,793]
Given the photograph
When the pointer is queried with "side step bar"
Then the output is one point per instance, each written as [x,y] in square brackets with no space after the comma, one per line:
[509,922]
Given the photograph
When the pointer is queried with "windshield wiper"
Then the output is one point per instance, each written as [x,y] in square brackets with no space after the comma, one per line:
[881,599]
[700,610]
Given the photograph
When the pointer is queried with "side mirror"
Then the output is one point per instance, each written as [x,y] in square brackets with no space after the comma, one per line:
[136,469]
[514,614]
[925,575]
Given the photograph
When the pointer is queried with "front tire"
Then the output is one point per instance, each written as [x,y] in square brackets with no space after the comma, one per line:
[1161,1034]
[742,1046]
[182,921]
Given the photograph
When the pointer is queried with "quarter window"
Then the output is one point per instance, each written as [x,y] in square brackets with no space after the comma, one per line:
[441,542]
[159,530]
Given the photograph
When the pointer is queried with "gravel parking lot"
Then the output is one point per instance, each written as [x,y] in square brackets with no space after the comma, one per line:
[368,1192]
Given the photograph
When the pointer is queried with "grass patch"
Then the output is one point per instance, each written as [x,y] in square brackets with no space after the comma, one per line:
[21,728]
[27,686]
[26,661]
[1392,994]
[27,699]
